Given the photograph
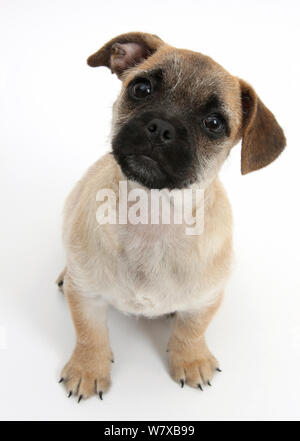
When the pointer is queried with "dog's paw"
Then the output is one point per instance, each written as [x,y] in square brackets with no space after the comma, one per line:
[60,280]
[193,366]
[87,376]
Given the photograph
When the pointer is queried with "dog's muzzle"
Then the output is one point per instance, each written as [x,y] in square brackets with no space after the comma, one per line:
[155,149]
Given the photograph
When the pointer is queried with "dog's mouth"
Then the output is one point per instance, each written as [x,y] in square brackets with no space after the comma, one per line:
[143,169]
[146,159]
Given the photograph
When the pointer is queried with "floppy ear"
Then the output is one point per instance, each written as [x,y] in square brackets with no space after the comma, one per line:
[263,138]
[125,51]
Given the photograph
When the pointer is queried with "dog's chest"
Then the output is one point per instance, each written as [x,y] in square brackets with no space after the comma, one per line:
[157,270]
[149,251]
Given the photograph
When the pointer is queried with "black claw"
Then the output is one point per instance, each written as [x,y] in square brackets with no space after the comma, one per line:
[208,383]
[70,394]
[182,383]
[112,361]
[200,387]
[61,380]
[60,283]
[101,395]
[80,398]
[219,370]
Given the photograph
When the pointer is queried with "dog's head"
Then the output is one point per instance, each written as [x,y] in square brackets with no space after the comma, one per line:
[180,113]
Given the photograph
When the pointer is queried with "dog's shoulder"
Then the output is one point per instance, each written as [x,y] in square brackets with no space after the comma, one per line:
[102,174]
[217,210]
[215,243]
[81,204]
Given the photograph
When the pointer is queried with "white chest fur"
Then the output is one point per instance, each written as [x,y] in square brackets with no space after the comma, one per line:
[155,270]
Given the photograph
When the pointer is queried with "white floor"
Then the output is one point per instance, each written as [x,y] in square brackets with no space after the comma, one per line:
[55,123]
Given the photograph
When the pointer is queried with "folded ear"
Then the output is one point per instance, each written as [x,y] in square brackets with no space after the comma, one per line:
[125,51]
[263,138]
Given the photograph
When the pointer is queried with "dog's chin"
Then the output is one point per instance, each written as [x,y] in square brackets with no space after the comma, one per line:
[144,170]
[149,173]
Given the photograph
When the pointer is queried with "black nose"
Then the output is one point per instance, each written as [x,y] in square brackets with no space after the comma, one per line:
[160,131]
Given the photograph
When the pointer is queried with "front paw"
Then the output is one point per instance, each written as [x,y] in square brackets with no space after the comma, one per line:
[193,365]
[87,373]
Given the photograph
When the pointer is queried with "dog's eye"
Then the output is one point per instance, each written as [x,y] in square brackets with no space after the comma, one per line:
[214,124]
[141,88]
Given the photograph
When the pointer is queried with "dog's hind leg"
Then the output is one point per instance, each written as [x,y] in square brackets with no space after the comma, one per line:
[60,280]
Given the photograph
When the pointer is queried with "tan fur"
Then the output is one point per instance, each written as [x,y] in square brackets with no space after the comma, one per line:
[152,270]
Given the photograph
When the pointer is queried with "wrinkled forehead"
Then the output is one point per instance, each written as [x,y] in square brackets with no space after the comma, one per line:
[191,77]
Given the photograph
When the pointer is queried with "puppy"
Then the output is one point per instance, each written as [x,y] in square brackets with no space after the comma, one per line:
[178,115]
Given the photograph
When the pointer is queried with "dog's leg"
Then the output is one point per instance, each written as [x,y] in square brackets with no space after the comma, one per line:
[189,357]
[88,370]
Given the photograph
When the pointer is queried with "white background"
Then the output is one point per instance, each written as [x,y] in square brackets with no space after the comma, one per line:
[55,117]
